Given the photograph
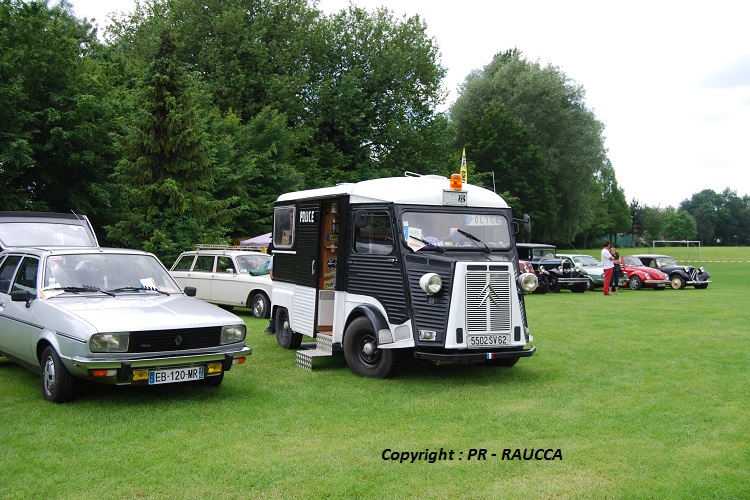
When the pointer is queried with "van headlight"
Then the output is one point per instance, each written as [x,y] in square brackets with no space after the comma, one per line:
[109,342]
[528,282]
[232,333]
[431,283]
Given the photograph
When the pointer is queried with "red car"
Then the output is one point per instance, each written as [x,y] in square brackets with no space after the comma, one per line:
[640,276]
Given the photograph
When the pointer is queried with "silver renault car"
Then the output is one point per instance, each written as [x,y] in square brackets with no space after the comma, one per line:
[106,315]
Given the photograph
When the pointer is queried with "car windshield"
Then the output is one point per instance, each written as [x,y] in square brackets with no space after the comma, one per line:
[586,260]
[256,265]
[666,261]
[107,272]
[449,230]
[632,261]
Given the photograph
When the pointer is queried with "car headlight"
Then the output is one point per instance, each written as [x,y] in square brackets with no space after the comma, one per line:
[528,282]
[648,276]
[109,342]
[233,333]
[431,283]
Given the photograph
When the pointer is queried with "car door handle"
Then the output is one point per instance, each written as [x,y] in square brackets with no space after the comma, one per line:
[312,267]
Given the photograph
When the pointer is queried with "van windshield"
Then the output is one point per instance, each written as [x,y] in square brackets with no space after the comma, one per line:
[450,230]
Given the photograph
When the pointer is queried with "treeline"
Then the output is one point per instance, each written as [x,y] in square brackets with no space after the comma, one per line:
[188,118]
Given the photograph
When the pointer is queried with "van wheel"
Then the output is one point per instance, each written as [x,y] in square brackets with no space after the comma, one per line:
[284,334]
[259,305]
[362,353]
[57,382]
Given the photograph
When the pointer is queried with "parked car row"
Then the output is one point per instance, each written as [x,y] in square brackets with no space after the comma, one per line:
[638,271]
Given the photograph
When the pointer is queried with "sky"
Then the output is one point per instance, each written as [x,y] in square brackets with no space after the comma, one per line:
[670,80]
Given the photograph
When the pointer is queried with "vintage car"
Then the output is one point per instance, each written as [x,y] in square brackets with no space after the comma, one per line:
[553,272]
[589,266]
[227,276]
[679,276]
[106,315]
[640,276]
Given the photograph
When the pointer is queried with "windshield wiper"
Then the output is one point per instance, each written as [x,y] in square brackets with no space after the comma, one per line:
[138,289]
[85,288]
[474,238]
[427,243]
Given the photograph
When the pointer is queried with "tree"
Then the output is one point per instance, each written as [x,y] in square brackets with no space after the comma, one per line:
[679,225]
[552,110]
[168,170]
[56,147]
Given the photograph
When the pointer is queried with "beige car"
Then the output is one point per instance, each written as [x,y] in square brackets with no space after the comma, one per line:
[227,276]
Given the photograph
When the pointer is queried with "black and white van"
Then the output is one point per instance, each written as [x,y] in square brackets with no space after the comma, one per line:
[419,263]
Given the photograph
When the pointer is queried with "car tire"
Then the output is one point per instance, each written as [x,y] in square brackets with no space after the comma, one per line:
[677,282]
[57,382]
[702,287]
[543,285]
[635,283]
[361,351]
[579,288]
[554,284]
[590,287]
[259,305]
[285,337]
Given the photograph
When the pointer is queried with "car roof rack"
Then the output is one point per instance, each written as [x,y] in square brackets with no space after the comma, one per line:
[206,246]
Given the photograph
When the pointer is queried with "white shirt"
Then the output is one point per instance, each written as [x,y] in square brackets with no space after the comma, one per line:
[607,259]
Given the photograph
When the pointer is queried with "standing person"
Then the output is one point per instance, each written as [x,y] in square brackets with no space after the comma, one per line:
[608,265]
[616,270]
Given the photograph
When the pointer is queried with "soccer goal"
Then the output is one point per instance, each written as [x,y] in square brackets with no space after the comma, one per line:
[679,243]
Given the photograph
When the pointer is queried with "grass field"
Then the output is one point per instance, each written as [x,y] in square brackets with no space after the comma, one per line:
[645,394]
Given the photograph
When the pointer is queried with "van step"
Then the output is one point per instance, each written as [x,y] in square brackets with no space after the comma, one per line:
[323,347]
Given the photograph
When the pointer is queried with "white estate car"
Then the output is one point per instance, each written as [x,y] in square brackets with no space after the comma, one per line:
[106,315]
[227,276]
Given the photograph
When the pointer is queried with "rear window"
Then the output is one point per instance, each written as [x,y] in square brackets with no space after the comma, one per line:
[34,234]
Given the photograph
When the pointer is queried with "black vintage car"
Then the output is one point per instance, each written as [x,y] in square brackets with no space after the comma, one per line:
[679,276]
[553,273]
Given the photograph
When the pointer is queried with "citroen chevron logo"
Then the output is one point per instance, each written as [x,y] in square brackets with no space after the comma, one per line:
[178,340]
[489,293]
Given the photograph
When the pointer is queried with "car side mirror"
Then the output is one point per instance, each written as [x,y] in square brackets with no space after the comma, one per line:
[21,296]
[190,291]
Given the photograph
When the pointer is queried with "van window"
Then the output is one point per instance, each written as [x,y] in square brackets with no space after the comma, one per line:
[283,227]
[373,233]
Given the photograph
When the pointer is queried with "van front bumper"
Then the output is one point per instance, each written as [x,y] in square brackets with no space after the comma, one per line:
[453,356]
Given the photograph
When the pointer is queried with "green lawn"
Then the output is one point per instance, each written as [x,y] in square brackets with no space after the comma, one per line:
[645,394]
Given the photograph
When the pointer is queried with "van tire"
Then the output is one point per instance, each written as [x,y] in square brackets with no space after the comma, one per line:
[361,351]
[286,338]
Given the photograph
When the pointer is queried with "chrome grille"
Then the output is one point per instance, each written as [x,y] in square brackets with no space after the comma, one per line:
[488,302]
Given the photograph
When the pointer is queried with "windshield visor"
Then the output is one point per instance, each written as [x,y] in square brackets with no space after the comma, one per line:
[424,230]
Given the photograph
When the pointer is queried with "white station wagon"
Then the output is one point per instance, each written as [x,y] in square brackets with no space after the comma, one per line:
[227,276]
[106,315]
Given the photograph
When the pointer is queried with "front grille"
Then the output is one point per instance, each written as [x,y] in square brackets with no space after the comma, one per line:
[488,302]
[181,339]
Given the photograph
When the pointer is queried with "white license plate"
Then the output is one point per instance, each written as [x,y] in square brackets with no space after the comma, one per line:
[175,375]
[478,341]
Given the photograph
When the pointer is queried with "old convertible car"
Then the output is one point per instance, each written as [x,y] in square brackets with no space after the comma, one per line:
[679,276]
[111,316]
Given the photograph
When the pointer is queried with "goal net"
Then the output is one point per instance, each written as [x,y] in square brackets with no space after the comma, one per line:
[693,246]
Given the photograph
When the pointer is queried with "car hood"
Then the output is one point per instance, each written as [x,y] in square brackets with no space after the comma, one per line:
[133,312]
[654,273]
